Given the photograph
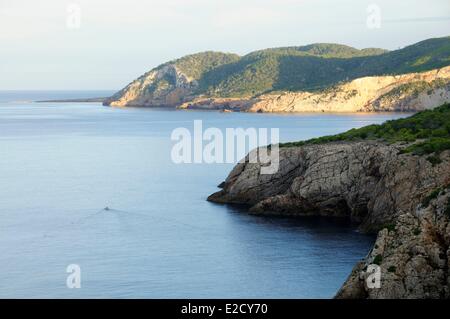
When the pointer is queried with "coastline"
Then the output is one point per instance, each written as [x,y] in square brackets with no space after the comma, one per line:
[177,108]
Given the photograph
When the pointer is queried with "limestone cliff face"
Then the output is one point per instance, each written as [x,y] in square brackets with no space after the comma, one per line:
[169,86]
[374,185]
[408,92]
[221,104]
[172,83]
[165,86]
[413,255]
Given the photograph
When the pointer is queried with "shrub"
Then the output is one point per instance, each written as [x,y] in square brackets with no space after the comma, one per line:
[447,208]
[431,127]
[378,259]
[434,159]
[434,194]
[391,227]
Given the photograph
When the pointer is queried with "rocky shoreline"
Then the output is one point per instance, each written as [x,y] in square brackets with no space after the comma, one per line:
[401,93]
[403,197]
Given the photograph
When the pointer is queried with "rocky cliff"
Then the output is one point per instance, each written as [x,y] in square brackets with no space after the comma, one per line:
[413,255]
[406,92]
[166,86]
[402,195]
[170,84]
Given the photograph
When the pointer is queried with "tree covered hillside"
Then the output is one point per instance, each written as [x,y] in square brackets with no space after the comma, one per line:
[318,66]
[305,68]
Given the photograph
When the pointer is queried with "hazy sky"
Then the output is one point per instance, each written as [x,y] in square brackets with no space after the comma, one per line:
[104,44]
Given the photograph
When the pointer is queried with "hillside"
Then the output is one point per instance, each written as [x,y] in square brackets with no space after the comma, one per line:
[427,132]
[402,93]
[170,83]
[307,68]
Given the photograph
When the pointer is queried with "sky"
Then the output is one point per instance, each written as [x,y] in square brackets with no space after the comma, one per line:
[105,44]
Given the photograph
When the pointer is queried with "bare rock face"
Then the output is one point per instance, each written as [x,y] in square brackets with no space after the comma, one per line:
[401,93]
[222,104]
[164,86]
[406,92]
[413,256]
[371,183]
[172,83]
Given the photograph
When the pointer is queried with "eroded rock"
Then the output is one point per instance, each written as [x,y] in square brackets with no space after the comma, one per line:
[371,183]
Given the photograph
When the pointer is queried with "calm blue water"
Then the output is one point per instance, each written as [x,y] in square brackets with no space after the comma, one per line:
[60,164]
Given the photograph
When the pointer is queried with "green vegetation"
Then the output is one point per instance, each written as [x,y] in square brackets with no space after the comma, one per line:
[434,159]
[310,67]
[429,130]
[416,232]
[286,68]
[433,195]
[389,227]
[392,268]
[317,66]
[195,65]
[447,208]
[432,145]
[323,50]
[378,259]
[415,88]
